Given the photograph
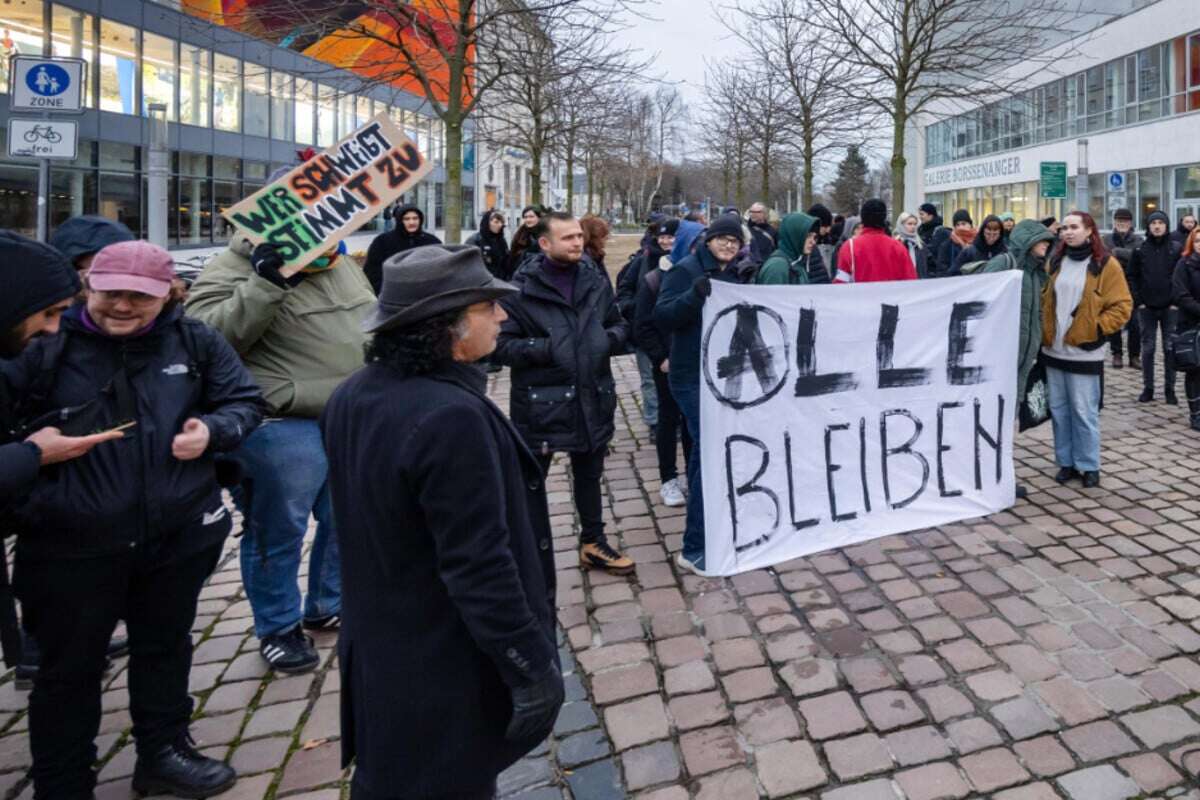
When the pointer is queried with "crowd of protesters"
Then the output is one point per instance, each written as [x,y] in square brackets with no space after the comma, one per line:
[130,402]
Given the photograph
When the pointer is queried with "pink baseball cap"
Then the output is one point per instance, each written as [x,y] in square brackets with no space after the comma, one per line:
[132,267]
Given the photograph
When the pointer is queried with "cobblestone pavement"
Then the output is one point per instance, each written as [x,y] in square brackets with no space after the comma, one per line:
[1048,651]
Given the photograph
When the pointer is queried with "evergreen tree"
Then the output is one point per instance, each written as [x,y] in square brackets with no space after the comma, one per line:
[850,187]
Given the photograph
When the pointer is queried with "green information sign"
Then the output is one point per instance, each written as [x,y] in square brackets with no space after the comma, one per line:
[1054,179]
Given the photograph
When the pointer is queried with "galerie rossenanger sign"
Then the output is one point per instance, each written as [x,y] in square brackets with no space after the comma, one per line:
[831,415]
[333,194]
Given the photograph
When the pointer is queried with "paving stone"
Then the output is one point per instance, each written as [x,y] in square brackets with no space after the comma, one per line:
[919,670]
[733,654]
[831,715]
[278,718]
[1069,701]
[735,784]
[599,781]
[710,749]
[1150,771]
[575,717]
[1044,756]
[857,756]
[810,676]
[694,676]
[993,769]
[938,781]
[1031,791]
[917,745]
[891,709]
[994,685]
[1098,741]
[1162,725]
[650,765]
[1022,718]
[749,684]
[260,755]
[788,767]
[621,683]
[880,789]
[765,721]
[972,734]
[636,722]
[580,748]
[1098,783]
[698,710]
[945,702]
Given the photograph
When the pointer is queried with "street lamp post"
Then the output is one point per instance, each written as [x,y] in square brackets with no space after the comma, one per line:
[157,175]
[1081,175]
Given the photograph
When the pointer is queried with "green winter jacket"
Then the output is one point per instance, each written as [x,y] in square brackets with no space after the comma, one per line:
[788,264]
[299,343]
[1024,236]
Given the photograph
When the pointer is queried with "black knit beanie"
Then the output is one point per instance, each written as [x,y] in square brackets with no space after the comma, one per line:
[824,215]
[928,208]
[962,215]
[34,275]
[874,214]
[725,225]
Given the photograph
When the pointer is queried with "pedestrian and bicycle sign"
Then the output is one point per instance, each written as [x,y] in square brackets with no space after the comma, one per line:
[46,84]
[43,138]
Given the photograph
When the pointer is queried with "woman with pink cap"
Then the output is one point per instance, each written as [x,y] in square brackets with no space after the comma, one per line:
[132,529]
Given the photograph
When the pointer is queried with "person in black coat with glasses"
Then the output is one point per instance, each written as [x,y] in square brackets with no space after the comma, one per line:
[448,659]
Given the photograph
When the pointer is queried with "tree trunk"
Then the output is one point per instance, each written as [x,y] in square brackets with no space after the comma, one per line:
[725,181]
[570,173]
[591,182]
[739,183]
[899,162]
[535,175]
[806,187]
[453,211]
[766,176]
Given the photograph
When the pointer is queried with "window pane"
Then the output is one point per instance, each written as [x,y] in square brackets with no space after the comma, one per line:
[363,113]
[195,164]
[305,109]
[227,90]
[74,37]
[72,192]
[21,23]
[326,115]
[18,193]
[195,215]
[281,106]
[1149,82]
[118,157]
[195,88]
[256,119]
[118,62]
[226,167]
[345,115]
[158,73]
[121,198]
[1150,189]
[225,195]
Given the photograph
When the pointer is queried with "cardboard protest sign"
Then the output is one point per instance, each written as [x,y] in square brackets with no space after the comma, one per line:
[330,196]
[831,415]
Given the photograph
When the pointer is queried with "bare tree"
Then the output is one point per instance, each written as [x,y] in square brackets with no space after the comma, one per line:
[451,53]
[730,109]
[916,53]
[552,55]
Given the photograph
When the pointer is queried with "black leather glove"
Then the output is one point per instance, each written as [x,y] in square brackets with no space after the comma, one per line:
[702,286]
[535,706]
[266,262]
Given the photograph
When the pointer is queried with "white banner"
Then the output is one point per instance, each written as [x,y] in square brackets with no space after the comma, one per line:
[831,415]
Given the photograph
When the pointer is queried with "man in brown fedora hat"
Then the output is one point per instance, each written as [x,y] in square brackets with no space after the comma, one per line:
[449,666]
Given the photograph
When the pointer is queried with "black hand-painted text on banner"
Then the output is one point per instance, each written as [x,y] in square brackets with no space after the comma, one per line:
[836,414]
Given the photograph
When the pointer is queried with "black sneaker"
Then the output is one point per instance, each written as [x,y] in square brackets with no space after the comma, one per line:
[179,769]
[290,652]
[1066,474]
[329,622]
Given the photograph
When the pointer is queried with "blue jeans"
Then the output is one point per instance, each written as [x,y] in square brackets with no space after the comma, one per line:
[284,481]
[1075,414]
[688,399]
[649,393]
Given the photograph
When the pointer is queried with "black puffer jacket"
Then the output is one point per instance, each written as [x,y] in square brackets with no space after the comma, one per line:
[397,240]
[132,490]
[493,247]
[563,393]
[1186,292]
[1150,272]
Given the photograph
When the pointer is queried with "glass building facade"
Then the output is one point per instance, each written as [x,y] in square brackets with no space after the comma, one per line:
[238,108]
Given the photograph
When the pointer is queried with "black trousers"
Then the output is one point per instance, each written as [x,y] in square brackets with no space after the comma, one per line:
[586,471]
[1132,329]
[1152,320]
[359,792]
[670,428]
[70,607]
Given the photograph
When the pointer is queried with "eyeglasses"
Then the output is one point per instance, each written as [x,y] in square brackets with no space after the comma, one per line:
[727,241]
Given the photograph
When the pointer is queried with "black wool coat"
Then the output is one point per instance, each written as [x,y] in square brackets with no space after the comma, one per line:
[448,579]
[563,394]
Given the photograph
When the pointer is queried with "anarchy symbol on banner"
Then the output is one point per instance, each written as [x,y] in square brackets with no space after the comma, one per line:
[748,351]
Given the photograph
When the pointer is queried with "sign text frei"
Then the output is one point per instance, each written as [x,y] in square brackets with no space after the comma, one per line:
[330,196]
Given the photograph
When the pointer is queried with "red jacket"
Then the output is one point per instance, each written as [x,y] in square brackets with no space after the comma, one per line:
[873,256]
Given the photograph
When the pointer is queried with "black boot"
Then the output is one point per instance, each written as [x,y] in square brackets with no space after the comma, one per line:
[1146,396]
[1193,413]
[1170,398]
[180,770]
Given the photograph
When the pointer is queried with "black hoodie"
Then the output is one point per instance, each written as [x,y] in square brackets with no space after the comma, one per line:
[1151,268]
[397,240]
[493,247]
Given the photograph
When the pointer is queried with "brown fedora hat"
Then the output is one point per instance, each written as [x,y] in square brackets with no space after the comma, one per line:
[431,280]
